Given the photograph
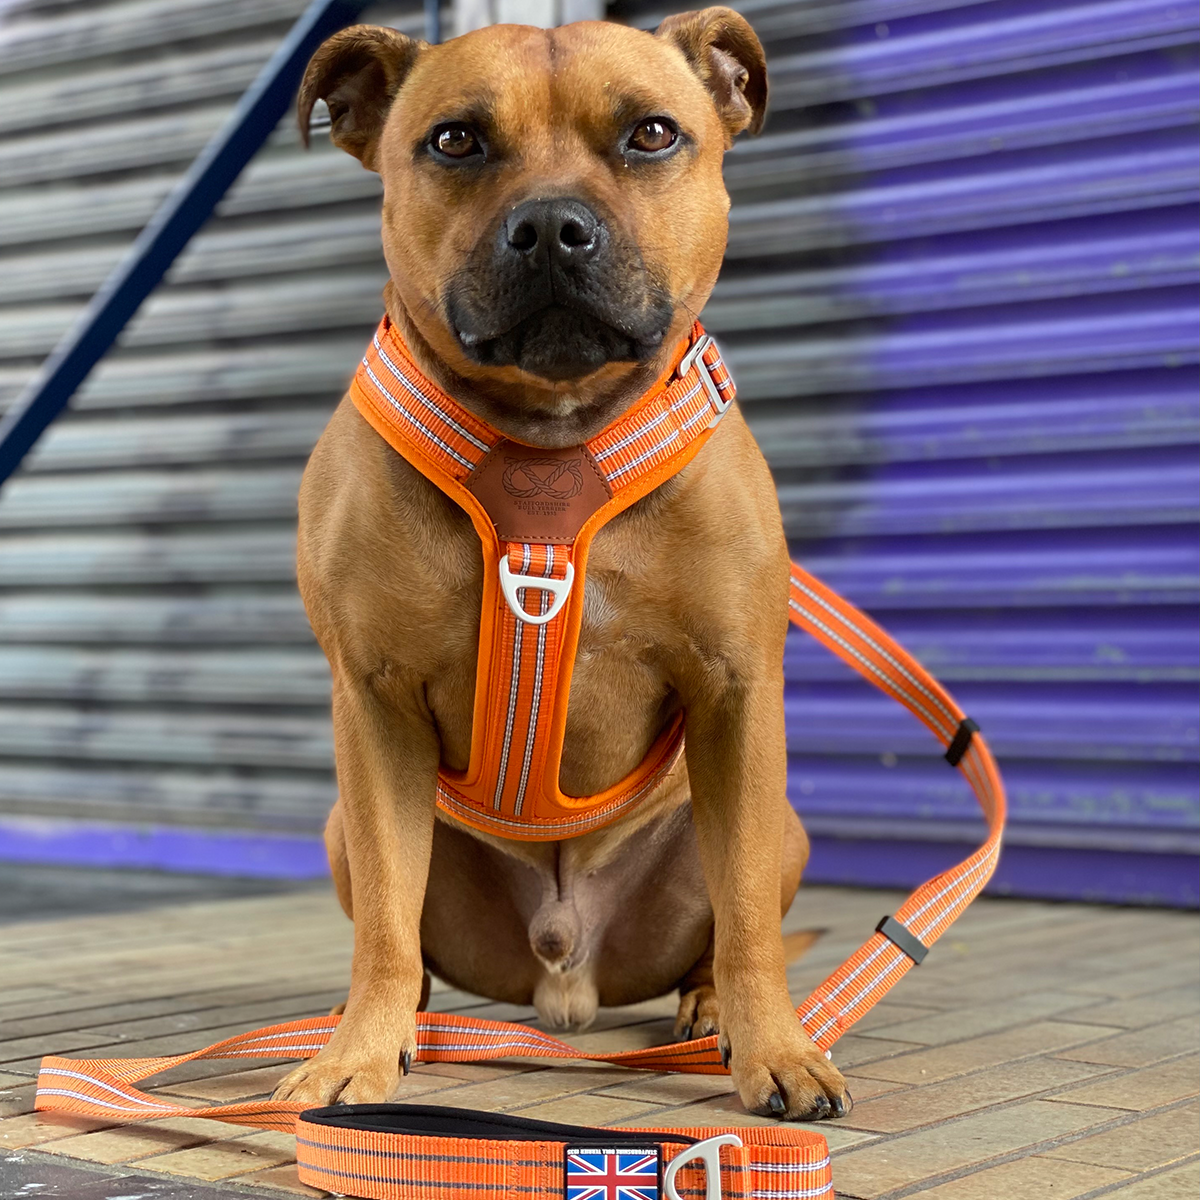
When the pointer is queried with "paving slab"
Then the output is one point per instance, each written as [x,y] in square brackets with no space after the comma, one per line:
[228,1158]
[1179,1183]
[928,1104]
[1142,1090]
[1041,1050]
[875,1170]
[34,1177]
[1141,1047]
[1022,1041]
[1154,1141]
[1032,1178]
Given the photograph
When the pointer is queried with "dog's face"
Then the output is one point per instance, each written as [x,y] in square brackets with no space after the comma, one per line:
[553,203]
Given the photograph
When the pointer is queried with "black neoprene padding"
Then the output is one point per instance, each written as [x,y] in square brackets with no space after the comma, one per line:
[432,1120]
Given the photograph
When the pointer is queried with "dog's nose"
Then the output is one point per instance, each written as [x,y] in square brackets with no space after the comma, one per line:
[566,229]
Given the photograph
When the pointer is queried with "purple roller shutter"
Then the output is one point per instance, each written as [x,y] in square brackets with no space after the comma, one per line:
[960,303]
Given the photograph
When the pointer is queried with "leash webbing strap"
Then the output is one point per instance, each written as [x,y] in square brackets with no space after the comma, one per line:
[104,1087]
[867,976]
[418,1152]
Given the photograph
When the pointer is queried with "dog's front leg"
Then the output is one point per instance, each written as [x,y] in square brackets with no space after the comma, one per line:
[387,759]
[737,764]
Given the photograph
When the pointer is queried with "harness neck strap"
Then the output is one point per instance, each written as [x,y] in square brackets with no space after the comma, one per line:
[536,512]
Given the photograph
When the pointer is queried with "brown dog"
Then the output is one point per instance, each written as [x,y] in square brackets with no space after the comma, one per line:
[554,214]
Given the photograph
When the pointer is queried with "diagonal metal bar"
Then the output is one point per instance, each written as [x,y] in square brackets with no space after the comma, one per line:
[188,206]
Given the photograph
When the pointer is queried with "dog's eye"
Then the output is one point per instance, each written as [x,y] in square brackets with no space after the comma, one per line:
[456,141]
[652,136]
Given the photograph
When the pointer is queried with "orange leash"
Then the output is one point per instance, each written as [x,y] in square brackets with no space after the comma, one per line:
[355,1149]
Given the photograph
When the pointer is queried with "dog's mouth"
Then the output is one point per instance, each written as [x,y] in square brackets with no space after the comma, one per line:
[557,308]
[562,342]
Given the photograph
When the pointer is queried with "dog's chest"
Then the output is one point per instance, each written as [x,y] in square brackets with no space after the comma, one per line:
[620,696]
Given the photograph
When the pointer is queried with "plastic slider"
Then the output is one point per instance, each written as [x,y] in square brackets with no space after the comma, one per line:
[960,743]
[898,935]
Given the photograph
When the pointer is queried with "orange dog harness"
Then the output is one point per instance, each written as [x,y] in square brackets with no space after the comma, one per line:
[404,1152]
[536,512]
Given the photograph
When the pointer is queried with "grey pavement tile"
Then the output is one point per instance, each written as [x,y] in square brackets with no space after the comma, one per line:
[29,1177]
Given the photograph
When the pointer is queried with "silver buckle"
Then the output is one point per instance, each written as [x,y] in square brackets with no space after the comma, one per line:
[511,584]
[693,357]
[709,1151]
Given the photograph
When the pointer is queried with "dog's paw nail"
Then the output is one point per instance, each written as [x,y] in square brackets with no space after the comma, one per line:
[842,1107]
[686,1036]
[726,1055]
[776,1104]
[821,1108]
[406,1061]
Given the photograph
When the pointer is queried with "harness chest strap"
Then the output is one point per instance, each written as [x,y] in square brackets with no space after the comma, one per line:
[536,512]
[785,1163]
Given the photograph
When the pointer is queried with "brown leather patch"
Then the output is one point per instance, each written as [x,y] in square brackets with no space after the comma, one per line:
[537,495]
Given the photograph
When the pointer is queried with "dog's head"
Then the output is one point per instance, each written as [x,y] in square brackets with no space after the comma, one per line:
[553,203]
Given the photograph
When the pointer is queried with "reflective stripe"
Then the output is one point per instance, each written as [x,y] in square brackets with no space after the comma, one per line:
[414,390]
[413,420]
[535,705]
[514,688]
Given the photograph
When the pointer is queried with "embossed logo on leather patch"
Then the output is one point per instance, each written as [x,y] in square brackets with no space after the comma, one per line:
[539,495]
[533,478]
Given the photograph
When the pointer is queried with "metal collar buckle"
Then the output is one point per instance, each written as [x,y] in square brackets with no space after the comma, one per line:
[695,356]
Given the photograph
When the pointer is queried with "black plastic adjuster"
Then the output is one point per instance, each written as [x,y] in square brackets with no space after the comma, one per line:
[898,934]
[960,743]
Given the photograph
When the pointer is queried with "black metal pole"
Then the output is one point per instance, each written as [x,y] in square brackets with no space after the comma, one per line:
[188,206]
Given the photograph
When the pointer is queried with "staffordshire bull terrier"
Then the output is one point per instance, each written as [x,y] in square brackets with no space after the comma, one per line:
[554,217]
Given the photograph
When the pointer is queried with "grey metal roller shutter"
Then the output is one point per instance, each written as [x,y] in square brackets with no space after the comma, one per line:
[960,304]
[161,696]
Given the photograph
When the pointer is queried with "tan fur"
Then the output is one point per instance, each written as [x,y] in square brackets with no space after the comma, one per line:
[686,594]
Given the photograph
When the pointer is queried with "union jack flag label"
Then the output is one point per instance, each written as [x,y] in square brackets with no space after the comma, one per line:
[602,1173]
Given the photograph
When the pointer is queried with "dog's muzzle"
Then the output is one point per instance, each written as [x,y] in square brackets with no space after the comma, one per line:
[554,292]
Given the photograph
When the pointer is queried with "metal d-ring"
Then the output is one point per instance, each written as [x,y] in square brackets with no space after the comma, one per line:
[511,584]
[709,1151]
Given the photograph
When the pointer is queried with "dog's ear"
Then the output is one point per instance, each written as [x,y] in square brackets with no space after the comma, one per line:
[725,52]
[357,73]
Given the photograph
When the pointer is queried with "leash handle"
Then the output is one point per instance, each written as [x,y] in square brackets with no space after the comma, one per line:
[104,1087]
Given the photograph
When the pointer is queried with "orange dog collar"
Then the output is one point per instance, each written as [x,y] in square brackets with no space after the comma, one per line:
[536,512]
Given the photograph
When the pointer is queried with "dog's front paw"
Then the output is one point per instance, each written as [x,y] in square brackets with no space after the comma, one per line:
[347,1074]
[699,1013]
[780,1073]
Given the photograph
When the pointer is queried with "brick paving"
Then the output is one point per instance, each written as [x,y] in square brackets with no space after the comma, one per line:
[1042,1050]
